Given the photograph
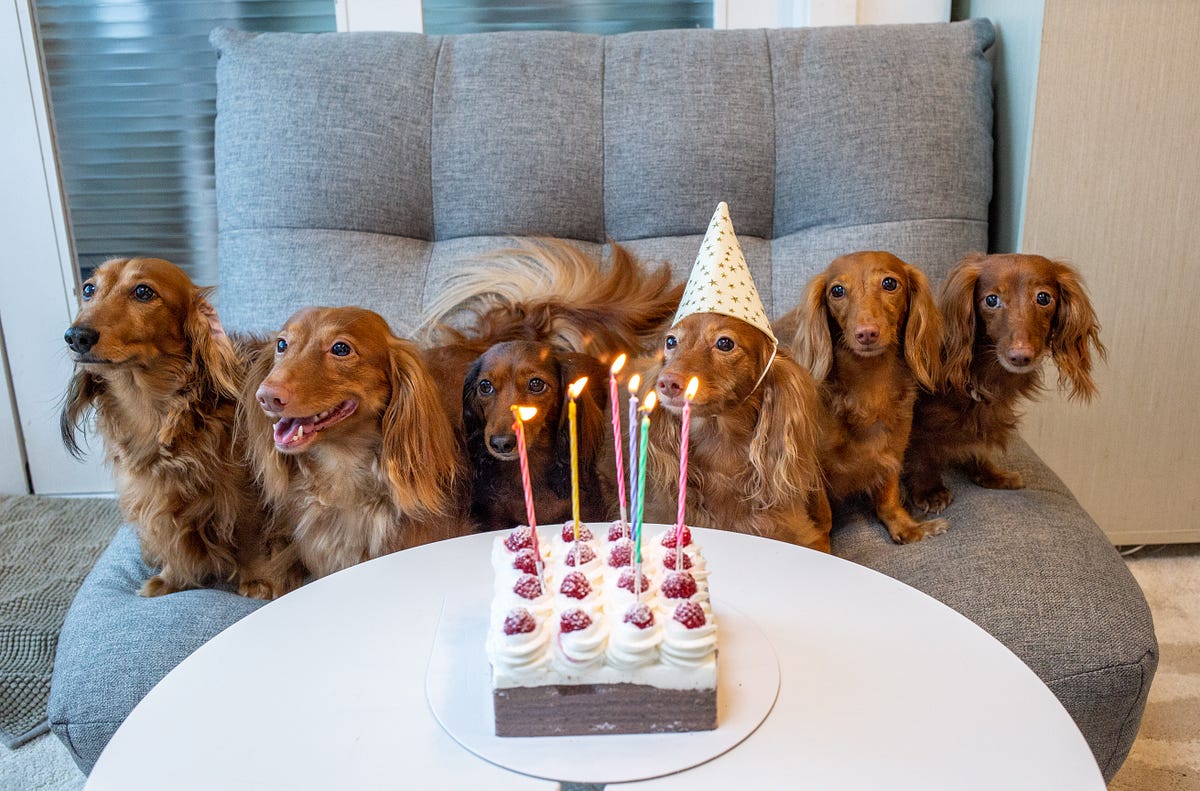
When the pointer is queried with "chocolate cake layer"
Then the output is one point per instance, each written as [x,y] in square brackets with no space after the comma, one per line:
[583,709]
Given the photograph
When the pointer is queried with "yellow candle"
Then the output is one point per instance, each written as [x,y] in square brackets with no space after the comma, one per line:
[573,391]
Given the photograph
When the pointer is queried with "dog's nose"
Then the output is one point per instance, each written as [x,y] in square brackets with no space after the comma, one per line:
[866,334]
[1020,356]
[669,385]
[81,339]
[272,398]
[503,443]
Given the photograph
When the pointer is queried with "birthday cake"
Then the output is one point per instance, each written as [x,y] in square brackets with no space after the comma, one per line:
[577,652]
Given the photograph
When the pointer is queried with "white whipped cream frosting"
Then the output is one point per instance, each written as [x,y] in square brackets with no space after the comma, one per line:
[609,650]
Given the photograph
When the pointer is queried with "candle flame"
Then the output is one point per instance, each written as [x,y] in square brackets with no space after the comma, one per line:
[692,387]
[635,382]
[650,402]
[577,387]
[618,364]
[524,413]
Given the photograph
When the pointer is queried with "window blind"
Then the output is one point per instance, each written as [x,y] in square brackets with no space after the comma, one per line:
[444,17]
[133,97]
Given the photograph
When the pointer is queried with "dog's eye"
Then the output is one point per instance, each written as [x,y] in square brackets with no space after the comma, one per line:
[890,284]
[537,385]
[485,387]
[837,292]
[340,349]
[725,344]
[143,293]
[1043,298]
[280,346]
[672,341]
[89,290]
[992,301]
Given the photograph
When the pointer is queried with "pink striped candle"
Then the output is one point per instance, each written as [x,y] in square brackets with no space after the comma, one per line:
[635,382]
[617,365]
[520,415]
[685,430]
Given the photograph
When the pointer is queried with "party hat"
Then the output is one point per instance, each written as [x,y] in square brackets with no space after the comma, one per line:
[720,281]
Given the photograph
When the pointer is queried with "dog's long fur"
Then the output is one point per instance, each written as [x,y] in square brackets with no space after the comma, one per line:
[992,362]
[382,475]
[550,291]
[526,373]
[870,348]
[752,454]
[163,379]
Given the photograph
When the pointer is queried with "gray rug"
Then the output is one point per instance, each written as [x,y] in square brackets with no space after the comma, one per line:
[47,547]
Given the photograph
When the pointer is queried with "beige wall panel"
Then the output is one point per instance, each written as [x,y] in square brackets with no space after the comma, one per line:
[1114,187]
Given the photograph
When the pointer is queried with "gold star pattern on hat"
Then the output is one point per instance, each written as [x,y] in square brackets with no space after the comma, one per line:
[721,281]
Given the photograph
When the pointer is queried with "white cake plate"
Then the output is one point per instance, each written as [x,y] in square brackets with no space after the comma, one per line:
[458,686]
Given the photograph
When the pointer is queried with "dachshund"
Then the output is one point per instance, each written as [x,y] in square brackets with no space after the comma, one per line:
[1003,314]
[163,378]
[869,333]
[526,373]
[752,443]
[350,440]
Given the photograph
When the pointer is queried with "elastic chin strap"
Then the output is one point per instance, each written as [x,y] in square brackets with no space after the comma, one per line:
[763,375]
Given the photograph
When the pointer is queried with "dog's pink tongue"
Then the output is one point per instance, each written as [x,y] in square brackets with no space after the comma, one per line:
[285,429]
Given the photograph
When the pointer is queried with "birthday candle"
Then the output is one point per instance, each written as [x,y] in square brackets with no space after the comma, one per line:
[634,382]
[617,365]
[520,415]
[651,399]
[573,391]
[686,418]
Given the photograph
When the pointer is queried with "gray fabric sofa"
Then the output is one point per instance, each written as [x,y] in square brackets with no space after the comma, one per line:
[361,168]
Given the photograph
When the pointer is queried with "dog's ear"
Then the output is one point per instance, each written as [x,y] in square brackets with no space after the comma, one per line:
[213,354]
[80,397]
[922,331]
[589,409]
[1074,334]
[420,455]
[783,447]
[956,301]
[813,346]
[472,418]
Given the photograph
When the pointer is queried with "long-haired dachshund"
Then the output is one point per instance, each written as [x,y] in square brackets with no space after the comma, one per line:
[869,333]
[163,378]
[1003,314]
[526,373]
[351,441]
[752,451]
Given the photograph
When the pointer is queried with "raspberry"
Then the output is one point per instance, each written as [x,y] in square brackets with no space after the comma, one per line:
[568,532]
[626,581]
[690,615]
[585,552]
[575,585]
[518,539]
[640,616]
[621,554]
[526,561]
[669,538]
[669,561]
[528,587]
[617,531]
[679,585]
[519,621]
[574,620]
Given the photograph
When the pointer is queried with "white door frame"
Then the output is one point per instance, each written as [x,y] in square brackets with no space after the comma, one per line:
[38,276]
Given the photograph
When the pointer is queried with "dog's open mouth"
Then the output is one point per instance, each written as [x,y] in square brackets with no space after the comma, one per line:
[295,433]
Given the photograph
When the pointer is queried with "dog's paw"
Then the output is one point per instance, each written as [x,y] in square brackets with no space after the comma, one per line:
[258,589]
[156,586]
[918,531]
[934,501]
[999,479]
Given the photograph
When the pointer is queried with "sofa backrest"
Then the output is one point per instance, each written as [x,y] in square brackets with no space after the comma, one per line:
[361,168]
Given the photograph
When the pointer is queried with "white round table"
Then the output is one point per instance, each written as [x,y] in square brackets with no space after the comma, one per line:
[881,687]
